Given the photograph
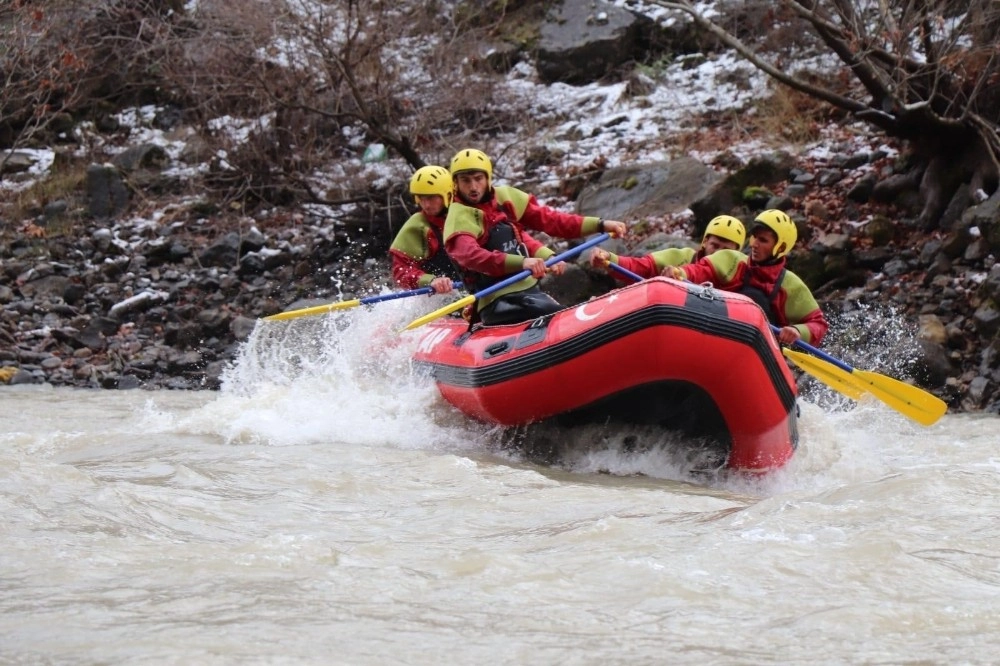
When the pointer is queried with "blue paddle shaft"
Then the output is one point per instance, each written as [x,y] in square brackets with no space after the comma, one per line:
[816,352]
[403,294]
[517,277]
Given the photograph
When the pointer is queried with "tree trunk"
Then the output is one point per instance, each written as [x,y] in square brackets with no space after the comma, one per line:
[938,172]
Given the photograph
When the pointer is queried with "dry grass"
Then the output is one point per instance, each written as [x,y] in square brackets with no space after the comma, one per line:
[65,182]
[793,116]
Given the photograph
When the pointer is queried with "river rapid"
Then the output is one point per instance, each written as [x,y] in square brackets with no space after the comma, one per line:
[326,506]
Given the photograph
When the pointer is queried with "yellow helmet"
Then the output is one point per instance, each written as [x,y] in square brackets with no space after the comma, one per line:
[470,159]
[727,227]
[782,225]
[432,180]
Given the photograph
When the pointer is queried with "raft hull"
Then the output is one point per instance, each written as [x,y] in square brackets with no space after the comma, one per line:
[660,352]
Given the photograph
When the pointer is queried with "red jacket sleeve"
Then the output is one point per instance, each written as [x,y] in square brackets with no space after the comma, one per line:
[702,271]
[817,324]
[814,320]
[551,221]
[406,270]
[533,245]
[644,267]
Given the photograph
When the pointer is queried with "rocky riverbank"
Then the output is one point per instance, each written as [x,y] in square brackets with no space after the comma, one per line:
[165,303]
[116,290]
[154,304]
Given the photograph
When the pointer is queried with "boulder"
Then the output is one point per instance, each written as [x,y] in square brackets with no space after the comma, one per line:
[661,188]
[585,40]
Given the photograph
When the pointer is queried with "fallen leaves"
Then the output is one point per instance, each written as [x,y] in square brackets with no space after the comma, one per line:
[32,230]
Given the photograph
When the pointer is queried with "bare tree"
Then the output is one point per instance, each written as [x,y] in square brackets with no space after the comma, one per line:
[322,77]
[64,60]
[39,75]
[924,71]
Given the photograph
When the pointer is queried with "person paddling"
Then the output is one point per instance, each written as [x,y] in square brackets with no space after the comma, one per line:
[418,255]
[485,234]
[764,277]
[723,232]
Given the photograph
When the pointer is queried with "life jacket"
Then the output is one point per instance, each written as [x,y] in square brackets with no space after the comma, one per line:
[503,236]
[766,300]
[439,264]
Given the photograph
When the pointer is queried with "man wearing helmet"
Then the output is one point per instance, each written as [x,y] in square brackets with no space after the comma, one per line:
[763,276]
[418,257]
[723,232]
[485,236]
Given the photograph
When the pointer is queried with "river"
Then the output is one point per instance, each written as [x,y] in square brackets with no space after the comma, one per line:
[326,507]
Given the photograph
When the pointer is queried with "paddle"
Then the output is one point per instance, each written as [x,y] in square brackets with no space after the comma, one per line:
[831,375]
[517,277]
[909,400]
[343,305]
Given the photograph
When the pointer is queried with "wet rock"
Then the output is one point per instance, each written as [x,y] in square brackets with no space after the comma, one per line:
[127,382]
[214,321]
[24,376]
[976,394]
[183,336]
[85,372]
[191,360]
[241,327]
[987,319]
[934,365]
[931,328]
[91,338]
[137,303]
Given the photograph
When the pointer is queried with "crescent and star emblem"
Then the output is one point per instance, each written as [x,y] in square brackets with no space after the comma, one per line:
[583,315]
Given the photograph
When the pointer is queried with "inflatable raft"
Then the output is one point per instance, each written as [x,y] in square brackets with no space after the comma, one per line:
[660,353]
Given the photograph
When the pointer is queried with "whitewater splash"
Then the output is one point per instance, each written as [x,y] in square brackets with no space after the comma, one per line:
[347,376]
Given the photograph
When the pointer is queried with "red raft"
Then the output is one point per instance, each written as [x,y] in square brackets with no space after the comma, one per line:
[662,353]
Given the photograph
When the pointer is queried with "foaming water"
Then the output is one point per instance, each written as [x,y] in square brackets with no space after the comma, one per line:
[346,377]
[327,506]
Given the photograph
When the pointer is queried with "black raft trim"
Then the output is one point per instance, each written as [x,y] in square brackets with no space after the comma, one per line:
[654,315]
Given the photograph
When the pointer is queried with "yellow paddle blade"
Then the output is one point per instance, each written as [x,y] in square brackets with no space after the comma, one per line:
[316,309]
[914,402]
[923,407]
[837,379]
[440,312]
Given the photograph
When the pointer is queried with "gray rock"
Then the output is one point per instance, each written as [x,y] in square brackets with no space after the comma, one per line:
[106,192]
[23,376]
[987,319]
[650,189]
[19,161]
[977,392]
[127,383]
[584,40]
[241,327]
[144,156]
[46,287]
